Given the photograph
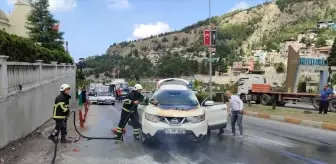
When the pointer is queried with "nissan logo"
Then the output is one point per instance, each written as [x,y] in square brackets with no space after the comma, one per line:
[174,121]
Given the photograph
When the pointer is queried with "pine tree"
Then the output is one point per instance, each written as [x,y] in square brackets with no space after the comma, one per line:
[41,23]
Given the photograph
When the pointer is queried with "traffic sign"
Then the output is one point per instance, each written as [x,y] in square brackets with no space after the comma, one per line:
[213,59]
[212,49]
[190,85]
[213,38]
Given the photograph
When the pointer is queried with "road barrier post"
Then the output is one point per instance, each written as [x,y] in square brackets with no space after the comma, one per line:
[81,121]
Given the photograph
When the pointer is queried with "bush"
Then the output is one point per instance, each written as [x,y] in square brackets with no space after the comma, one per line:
[279,67]
[24,50]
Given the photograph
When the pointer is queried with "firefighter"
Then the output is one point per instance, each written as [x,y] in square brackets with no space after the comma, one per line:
[60,114]
[130,111]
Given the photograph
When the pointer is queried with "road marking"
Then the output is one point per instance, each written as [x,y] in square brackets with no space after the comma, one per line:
[113,107]
[275,142]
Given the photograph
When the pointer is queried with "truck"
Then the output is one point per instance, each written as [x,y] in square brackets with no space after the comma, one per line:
[245,84]
[122,84]
[265,95]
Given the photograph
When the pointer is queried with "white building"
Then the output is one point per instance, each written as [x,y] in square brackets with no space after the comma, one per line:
[15,22]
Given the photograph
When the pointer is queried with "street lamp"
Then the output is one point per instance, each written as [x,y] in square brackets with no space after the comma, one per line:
[210,56]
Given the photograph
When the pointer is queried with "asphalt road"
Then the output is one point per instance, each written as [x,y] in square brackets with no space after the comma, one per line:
[266,142]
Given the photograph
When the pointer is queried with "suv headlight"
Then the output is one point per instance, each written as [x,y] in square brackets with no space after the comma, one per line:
[152,117]
[196,119]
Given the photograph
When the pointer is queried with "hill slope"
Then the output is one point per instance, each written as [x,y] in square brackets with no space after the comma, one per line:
[263,20]
[178,53]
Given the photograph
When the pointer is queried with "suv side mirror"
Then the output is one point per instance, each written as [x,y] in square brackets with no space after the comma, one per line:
[209,103]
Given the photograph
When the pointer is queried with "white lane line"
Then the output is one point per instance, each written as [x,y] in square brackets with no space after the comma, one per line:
[274,142]
[116,110]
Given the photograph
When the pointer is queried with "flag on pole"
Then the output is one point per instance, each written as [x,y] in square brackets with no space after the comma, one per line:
[206,35]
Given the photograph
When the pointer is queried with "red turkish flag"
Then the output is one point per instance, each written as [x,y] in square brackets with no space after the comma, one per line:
[206,36]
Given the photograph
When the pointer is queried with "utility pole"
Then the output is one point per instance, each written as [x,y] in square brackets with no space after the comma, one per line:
[210,56]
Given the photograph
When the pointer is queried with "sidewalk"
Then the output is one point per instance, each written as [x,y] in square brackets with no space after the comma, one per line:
[293,116]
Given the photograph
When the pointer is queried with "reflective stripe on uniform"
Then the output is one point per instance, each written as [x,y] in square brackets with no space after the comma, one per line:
[128,101]
[64,108]
[127,110]
[136,131]
[119,130]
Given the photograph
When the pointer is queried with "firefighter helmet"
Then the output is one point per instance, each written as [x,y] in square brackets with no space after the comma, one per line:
[137,87]
[64,87]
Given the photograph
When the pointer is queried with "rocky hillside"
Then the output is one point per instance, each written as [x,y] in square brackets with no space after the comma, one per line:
[256,23]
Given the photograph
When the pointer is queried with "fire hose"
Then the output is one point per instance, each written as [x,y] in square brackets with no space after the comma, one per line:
[88,137]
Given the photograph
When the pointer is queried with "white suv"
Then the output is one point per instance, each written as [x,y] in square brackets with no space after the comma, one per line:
[178,113]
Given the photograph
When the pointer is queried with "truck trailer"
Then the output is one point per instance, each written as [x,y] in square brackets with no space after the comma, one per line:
[263,94]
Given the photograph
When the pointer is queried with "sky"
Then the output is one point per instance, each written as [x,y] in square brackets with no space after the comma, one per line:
[91,26]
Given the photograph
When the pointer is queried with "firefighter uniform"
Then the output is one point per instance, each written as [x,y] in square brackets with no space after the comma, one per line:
[60,113]
[130,111]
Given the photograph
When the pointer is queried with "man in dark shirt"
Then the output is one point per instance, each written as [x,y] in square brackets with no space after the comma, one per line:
[84,95]
[324,102]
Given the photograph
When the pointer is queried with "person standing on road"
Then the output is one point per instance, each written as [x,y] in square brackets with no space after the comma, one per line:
[324,102]
[130,111]
[60,114]
[235,113]
[119,94]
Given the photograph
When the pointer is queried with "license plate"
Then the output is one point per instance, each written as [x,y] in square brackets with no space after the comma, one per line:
[175,131]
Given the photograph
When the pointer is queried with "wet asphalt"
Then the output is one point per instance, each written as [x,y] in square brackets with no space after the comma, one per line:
[265,142]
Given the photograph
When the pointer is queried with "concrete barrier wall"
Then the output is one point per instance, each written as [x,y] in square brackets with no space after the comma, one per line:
[24,110]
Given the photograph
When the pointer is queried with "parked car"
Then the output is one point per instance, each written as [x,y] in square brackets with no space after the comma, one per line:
[177,113]
[105,98]
[93,98]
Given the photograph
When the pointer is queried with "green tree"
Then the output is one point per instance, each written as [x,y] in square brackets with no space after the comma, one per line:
[41,23]
[320,42]
[96,75]
[257,65]
[164,39]
[279,67]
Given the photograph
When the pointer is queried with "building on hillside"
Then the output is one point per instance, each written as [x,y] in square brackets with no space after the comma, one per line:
[275,57]
[243,67]
[260,55]
[322,51]
[325,24]
[329,42]
[4,22]
[310,35]
[15,22]
[295,44]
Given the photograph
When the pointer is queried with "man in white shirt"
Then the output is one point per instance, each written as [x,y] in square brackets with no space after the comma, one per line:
[236,113]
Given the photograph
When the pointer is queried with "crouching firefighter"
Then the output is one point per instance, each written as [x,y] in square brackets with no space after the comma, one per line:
[130,111]
[60,114]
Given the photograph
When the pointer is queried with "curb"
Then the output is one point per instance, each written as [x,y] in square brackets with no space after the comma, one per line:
[314,124]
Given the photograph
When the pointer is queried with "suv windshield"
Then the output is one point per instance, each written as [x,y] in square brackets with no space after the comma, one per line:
[175,97]
[103,94]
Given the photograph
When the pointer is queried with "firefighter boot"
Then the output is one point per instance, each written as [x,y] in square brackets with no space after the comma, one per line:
[136,136]
[118,137]
[52,138]
[64,140]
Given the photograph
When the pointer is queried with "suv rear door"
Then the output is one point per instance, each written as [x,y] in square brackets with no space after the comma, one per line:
[216,114]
